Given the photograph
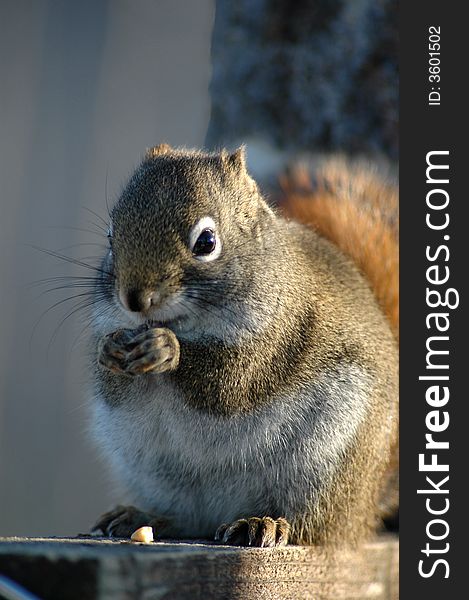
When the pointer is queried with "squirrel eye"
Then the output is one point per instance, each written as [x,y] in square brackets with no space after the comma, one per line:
[205,243]
[204,240]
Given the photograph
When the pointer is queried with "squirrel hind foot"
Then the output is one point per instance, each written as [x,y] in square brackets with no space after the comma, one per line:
[256,532]
[122,521]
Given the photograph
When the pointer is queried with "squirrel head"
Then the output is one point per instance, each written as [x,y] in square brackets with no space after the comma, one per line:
[184,235]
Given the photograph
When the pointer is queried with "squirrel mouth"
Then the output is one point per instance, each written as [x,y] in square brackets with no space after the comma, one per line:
[155,324]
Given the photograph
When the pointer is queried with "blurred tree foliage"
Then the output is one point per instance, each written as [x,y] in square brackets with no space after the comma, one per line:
[306,74]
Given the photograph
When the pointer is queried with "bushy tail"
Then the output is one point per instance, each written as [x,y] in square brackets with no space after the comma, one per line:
[356,207]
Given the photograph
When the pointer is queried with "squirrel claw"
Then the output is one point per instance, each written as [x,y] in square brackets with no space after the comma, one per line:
[255,532]
[136,352]
[153,351]
[122,521]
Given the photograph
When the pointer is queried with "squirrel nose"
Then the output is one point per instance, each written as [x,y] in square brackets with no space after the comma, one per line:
[137,300]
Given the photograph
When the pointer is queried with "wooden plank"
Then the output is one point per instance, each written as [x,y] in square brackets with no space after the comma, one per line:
[83,568]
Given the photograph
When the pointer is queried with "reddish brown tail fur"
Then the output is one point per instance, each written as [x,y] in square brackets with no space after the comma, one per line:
[357,209]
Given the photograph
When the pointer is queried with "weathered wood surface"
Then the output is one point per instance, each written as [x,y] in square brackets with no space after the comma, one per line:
[88,569]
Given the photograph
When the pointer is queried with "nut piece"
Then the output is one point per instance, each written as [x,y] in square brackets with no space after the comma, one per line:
[143,535]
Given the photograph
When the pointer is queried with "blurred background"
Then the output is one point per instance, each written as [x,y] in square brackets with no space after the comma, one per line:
[85,87]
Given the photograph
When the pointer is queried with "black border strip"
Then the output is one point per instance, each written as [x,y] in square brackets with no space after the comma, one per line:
[426,128]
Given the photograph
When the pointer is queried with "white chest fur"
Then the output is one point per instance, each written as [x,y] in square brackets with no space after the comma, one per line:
[204,470]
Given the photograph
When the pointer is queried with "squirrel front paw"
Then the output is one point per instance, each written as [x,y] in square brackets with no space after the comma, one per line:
[122,521]
[257,532]
[136,352]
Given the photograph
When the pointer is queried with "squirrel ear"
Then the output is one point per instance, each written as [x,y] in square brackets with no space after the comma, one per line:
[236,160]
[159,150]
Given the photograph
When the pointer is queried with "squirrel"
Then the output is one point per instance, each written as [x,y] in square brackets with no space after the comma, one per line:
[245,378]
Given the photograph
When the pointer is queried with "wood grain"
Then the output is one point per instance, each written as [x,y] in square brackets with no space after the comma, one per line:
[77,568]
